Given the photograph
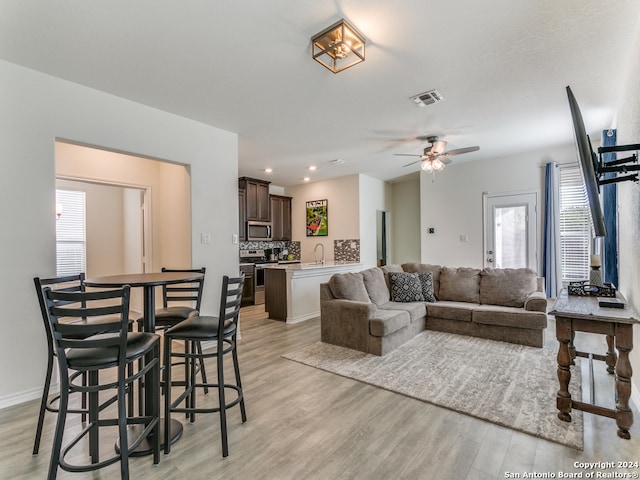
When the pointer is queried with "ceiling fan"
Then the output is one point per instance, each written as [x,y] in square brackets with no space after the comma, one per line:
[434,157]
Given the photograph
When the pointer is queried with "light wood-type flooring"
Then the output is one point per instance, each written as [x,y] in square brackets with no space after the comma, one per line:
[304,423]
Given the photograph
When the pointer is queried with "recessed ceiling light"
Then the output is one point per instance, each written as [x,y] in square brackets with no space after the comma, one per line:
[268,170]
[312,167]
[306,179]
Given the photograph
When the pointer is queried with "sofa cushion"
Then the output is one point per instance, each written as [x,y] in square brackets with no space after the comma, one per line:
[387,269]
[388,321]
[416,310]
[405,287]
[425,267]
[460,284]
[376,286]
[450,310]
[508,317]
[348,286]
[509,287]
[426,280]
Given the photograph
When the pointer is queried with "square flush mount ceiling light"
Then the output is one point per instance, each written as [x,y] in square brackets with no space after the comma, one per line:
[338,47]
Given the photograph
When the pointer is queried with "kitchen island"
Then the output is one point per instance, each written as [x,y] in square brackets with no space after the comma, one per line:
[292,292]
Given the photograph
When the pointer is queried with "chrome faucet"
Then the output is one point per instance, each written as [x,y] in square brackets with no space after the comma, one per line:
[314,252]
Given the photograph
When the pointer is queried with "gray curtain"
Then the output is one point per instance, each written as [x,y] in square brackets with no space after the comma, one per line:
[551,263]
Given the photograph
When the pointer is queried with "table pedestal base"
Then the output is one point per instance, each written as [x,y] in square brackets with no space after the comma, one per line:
[146,447]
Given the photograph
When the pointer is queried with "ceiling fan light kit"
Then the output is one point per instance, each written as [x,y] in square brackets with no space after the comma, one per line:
[434,157]
[338,47]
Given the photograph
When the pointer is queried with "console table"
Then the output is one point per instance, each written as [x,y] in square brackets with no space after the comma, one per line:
[583,314]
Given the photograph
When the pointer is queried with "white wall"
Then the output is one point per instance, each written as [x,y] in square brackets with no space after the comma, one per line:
[343,211]
[372,197]
[35,109]
[452,204]
[629,205]
[353,201]
[405,221]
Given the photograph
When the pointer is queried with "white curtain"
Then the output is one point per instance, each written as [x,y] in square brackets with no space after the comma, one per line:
[551,265]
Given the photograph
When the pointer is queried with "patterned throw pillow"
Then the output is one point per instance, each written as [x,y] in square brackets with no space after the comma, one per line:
[426,279]
[405,287]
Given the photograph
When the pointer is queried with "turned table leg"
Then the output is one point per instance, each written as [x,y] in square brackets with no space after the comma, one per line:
[624,415]
[564,335]
[611,357]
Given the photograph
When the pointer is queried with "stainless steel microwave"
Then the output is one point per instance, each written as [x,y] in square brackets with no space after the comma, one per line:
[259,231]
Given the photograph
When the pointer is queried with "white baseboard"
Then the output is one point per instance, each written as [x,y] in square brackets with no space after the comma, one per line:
[22,397]
[302,318]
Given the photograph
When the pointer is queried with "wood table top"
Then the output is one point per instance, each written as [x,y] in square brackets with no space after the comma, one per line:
[586,307]
[143,279]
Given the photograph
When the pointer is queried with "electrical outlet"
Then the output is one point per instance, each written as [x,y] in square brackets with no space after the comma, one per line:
[205,238]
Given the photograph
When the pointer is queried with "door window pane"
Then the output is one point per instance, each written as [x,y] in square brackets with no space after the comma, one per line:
[510,226]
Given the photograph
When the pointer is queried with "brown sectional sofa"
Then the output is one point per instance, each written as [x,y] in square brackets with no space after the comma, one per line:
[358,310]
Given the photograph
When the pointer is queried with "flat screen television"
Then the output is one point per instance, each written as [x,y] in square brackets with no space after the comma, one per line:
[588,162]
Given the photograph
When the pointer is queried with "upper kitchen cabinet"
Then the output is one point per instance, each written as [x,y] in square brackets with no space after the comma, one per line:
[281,217]
[242,206]
[257,202]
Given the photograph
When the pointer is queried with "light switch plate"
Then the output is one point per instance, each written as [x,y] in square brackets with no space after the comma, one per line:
[205,238]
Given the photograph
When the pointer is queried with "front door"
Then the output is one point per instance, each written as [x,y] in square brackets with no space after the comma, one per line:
[511,230]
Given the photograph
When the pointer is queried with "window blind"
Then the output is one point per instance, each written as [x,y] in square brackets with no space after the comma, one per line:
[575,225]
[71,256]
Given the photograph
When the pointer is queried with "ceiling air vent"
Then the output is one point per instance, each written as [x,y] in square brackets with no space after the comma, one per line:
[426,98]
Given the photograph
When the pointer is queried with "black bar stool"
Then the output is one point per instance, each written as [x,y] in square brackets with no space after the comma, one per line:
[67,283]
[222,330]
[82,347]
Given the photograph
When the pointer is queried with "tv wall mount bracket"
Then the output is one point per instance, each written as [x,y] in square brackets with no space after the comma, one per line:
[625,166]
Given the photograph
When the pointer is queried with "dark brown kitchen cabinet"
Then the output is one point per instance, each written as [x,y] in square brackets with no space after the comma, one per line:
[242,215]
[281,217]
[257,202]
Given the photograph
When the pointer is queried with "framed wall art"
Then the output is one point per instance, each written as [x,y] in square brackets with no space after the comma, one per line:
[317,219]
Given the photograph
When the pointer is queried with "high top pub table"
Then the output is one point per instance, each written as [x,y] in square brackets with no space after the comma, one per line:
[575,313]
[148,281]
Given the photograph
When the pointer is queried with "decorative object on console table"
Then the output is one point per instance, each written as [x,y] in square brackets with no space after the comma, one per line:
[585,289]
[317,218]
[595,275]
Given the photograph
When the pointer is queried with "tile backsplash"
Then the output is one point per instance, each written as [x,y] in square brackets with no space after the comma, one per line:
[292,247]
[346,250]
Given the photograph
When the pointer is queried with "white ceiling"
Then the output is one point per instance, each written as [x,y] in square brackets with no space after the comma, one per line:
[245,66]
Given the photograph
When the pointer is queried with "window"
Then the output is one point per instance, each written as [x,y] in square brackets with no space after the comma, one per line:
[71,247]
[575,225]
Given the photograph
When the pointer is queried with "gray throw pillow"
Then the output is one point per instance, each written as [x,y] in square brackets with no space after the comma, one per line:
[426,280]
[405,287]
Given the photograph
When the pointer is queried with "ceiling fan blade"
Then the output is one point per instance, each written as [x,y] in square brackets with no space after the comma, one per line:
[412,163]
[445,159]
[407,155]
[458,151]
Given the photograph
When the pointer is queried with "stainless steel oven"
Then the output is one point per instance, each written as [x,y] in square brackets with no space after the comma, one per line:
[254,260]
[259,231]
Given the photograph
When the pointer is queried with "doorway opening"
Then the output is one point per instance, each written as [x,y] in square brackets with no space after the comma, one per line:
[382,237]
[138,209]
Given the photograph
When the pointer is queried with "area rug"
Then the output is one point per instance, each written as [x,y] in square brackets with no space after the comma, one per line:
[510,385]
